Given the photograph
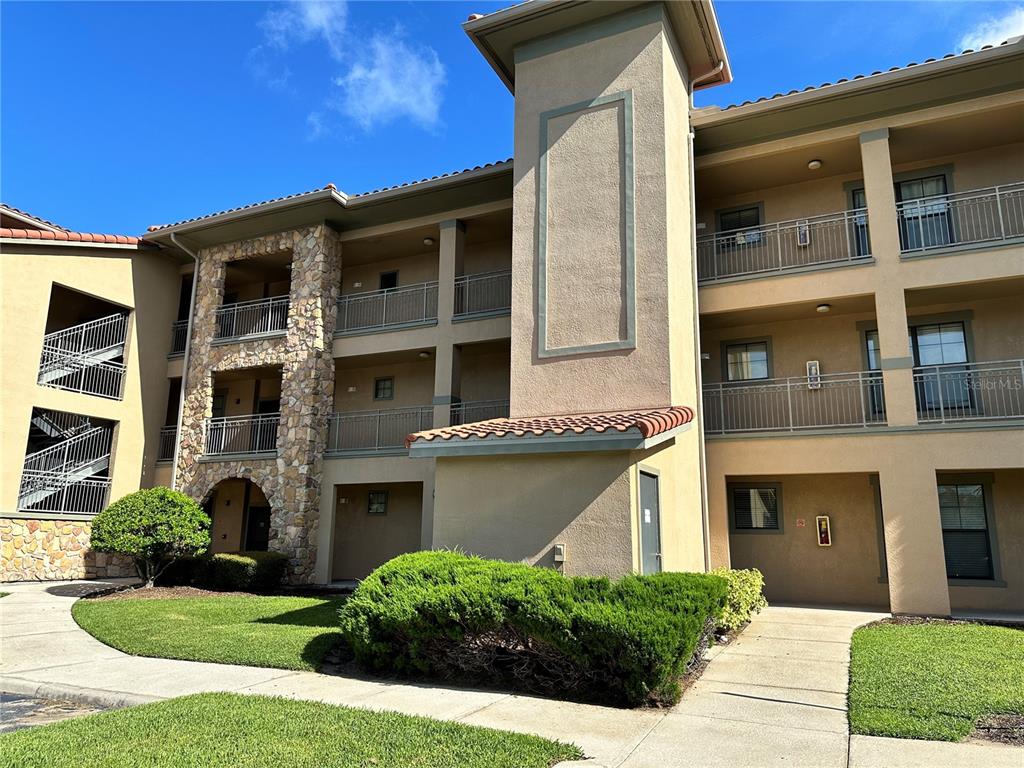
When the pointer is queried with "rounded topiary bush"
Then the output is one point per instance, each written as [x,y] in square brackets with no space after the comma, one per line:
[154,527]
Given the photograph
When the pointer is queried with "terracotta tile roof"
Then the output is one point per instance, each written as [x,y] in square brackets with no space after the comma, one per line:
[649,422]
[70,237]
[876,73]
[448,175]
[33,217]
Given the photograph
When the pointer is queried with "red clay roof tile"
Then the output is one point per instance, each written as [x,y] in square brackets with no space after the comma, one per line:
[70,237]
[648,421]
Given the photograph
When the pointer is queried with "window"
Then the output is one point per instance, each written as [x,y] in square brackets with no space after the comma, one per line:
[384,389]
[378,503]
[388,280]
[924,224]
[941,344]
[746,361]
[965,537]
[756,507]
[742,218]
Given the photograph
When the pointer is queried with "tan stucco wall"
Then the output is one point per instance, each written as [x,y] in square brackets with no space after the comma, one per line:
[145,280]
[414,386]
[795,568]
[241,393]
[487,257]
[228,513]
[363,541]
[584,501]
[484,375]
[417,268]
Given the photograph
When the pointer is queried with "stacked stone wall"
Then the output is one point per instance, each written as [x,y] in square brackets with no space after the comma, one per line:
[54,550]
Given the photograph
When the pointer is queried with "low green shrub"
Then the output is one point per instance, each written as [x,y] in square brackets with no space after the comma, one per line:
[448,615]
[746,596]
[229,572]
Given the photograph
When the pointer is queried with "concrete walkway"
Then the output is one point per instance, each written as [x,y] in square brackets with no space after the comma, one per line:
[777,695]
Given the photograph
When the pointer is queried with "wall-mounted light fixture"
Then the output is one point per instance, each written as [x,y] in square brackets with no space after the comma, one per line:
[814,164]
[423,355]
[823,309]
[428,241]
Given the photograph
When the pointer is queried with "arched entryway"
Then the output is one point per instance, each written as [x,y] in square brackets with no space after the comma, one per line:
[241,516]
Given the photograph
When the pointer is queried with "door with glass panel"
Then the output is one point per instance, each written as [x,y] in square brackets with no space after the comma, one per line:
[924,218]
[874,399]
[859,223]
[943,378]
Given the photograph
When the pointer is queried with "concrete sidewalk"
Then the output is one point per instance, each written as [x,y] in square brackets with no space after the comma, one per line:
[777,695]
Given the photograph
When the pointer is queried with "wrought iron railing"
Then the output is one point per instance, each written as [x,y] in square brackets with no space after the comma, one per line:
[179,333]
[95,335]
[252,434]
[376,430]
[970,391]
[978,216]
[167,444]
[830,239]
[56,495]
[835,400]
[82,373]
[81,450]
[485,293]
[389,308]
[258,317]
[479,410]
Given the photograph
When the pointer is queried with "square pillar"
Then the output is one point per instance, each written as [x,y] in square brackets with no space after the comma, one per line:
[890,302]
[914,554]
[447,380]
[450,264]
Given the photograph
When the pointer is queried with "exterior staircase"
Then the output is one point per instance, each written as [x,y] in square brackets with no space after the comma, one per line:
[83,358]
[63,476]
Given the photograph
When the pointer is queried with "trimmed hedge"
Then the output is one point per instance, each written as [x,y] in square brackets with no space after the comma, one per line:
[230,572]
[448,615]
[746,596]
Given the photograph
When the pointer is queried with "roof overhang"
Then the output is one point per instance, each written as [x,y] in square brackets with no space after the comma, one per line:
[497,35]
[586,442]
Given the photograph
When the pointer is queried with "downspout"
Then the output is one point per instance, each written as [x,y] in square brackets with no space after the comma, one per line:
[185,359]
[704,519]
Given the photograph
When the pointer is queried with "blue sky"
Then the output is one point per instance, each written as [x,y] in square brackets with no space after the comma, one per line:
[114,116]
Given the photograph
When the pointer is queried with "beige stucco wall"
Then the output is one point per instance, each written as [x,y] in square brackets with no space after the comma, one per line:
[414,385]
[130,278]
[363,541]
[487,257]
[795,568]
[240,394]
[484,374]
[412,269]
[228,513]
[584,501]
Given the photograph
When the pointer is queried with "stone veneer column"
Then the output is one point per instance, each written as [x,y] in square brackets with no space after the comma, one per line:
[291,481]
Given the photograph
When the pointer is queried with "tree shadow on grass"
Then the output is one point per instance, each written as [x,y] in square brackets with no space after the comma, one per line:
[323,614]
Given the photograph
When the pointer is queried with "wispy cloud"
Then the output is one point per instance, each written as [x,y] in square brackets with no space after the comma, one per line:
[393,80]
[995,29]
[384,80]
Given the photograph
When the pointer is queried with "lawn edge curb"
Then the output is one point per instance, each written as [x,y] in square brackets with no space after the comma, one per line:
[92,696]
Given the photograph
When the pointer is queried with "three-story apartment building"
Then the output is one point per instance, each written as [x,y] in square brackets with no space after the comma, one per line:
[784,334]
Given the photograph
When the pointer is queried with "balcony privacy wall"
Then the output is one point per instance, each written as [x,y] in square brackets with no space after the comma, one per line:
[291,479]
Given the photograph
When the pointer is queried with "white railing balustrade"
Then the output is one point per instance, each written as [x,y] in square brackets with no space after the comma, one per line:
[179,333]
[55,494]
[252,434]
[258,317]
[392,307]
[93,336]
[479,410]
[830,239]
[81,450]
[834,400]
[974,217]
[485,293]
[167,444]
[376,430]
[970,391]
[81,373]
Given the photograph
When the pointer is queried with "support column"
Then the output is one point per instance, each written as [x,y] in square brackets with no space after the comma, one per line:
[914,553]
[447,374]
[427,509]
[447,382]
[890,302]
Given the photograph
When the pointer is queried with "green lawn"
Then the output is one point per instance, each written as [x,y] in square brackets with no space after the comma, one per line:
[933,681]
[283,632]
[222,729]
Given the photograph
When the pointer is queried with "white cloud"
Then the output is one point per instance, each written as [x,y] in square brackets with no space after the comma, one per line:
[392,80]
[303,20]
[995,29]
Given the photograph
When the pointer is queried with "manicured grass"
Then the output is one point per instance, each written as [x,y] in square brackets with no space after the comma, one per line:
[222,729]
[4,594]
[283,632]
[933,681]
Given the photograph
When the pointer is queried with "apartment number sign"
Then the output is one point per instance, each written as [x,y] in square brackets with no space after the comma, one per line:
[824,531]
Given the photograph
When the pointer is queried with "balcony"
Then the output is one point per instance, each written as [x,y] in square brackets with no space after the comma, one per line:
[795,404]
[387,309]
[830,240]
[967,392]
[250,435]
[167,444]
[488,293]
[979,217]
[179,333]
[480,410]
[370,431]
[252,319]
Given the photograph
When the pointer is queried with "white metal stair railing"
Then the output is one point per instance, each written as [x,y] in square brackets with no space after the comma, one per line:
[60,424]
[79,358]
[69,462]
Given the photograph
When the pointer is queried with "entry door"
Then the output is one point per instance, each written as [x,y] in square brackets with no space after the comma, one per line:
[650,524]
[257,529]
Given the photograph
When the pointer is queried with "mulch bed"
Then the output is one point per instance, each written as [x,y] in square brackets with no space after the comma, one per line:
[1004,729]
[166,593]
